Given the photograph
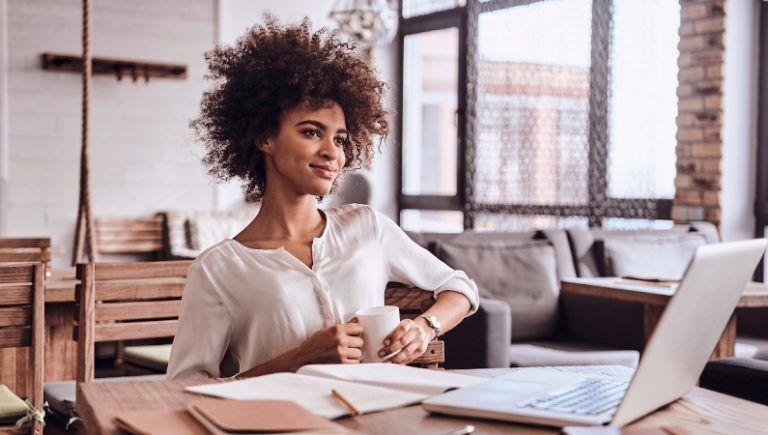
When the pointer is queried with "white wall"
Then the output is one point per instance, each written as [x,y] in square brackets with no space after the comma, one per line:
[740,119]
[143,158]
[235,16]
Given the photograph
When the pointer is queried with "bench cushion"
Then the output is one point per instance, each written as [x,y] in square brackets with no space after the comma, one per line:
[11,406]
[554,353]
[523,274]
[154,357]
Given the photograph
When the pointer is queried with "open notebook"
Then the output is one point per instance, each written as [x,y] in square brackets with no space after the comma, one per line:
[369,387]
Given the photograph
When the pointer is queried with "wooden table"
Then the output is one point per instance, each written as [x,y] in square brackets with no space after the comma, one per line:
[699,411]
[655,298]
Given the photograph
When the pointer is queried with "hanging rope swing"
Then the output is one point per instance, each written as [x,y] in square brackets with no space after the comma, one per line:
[84,230]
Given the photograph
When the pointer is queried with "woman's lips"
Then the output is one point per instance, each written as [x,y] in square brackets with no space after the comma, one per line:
[324,171]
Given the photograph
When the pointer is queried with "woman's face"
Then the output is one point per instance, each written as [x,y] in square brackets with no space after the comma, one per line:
[307,152]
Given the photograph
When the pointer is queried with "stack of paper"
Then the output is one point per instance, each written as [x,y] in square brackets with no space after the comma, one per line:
[369,387]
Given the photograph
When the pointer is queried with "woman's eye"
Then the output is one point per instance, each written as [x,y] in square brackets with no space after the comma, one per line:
[312,133]
[341,141]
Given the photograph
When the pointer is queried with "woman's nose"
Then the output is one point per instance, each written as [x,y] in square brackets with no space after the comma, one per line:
[329,150]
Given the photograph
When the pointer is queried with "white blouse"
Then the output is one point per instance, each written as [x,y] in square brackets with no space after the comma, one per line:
[243,306]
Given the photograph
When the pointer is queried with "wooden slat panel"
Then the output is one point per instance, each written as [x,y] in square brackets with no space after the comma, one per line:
[138,310]
[124,237]
[409,299]
[145,289]
[15,337]
[16,316]
[14,242]
[131,247]
[16,274]
[42,257]
[128,224]
[157,269]
[15,295]
[435,353]
[135,330]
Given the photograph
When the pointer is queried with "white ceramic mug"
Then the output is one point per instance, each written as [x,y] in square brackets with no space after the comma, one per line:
[377,323]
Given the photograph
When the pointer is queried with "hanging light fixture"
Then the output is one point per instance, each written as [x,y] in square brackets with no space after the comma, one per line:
[368,22]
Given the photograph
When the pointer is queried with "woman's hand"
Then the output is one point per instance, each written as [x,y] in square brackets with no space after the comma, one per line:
[410,338]
[335,344]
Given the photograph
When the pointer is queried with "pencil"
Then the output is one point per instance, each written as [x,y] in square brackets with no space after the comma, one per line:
[344,401]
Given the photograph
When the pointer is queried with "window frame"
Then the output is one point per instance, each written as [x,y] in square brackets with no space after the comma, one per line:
[761,176]
[598,205]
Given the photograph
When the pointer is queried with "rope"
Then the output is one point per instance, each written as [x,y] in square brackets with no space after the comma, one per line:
[84,209]
[33,414]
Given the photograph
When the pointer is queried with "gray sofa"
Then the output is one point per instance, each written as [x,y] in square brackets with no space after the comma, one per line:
[525,321]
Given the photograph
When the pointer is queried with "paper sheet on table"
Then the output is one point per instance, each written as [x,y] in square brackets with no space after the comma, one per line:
[417,380]
[313,393]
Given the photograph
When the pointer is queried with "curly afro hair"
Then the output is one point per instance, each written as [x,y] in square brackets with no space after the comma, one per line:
[274,68]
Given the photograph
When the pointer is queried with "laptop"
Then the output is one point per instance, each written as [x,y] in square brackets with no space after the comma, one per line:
[671,364]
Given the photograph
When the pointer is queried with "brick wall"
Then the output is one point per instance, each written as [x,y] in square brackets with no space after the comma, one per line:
[700,111]
[143,158]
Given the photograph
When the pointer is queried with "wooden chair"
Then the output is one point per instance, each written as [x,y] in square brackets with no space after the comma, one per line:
[125,301]
[22,299]
[412,302]
[142,236]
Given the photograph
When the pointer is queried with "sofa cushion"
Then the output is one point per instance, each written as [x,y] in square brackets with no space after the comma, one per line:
[592,249]
[649,256]
[751,347]
[553,353]
[523,274]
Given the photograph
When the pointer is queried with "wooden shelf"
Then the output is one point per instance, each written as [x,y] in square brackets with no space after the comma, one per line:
[135,69]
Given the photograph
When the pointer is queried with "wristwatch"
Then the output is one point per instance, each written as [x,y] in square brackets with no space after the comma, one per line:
[433,322]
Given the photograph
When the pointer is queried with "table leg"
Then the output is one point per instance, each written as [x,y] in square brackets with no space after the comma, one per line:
[652,315]
[726,345]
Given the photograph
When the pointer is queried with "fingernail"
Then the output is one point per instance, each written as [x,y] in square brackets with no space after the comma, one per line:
[386,342]
[381,354]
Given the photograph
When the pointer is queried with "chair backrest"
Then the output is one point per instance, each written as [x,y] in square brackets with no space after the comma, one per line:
[22,299]
[412,302]
[125,301]
[25,249]
[129,235]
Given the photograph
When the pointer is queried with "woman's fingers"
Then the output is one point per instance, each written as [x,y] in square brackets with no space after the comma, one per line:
[401,342]
[402,328]
[352,328]
[352,342]
[409,353]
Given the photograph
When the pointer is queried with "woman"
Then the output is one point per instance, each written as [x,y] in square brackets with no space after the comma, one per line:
[290,111]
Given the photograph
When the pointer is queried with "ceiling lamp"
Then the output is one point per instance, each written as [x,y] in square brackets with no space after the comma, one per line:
[368,22]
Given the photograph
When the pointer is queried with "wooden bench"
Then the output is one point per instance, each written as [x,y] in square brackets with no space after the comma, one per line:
[22,302]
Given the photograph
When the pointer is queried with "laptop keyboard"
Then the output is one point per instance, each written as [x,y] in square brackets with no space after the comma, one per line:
[592,396]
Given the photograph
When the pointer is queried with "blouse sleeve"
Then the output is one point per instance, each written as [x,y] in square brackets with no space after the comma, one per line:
[204,329]
[411,264]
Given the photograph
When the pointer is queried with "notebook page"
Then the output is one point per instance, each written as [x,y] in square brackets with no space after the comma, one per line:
[312,393]
[405,378]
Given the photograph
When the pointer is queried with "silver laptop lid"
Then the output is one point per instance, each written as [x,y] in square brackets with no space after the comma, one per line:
[690,326]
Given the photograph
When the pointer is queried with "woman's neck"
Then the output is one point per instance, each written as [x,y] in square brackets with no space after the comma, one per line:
[282,218]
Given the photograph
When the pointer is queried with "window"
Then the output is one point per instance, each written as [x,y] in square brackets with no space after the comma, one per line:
[563,111]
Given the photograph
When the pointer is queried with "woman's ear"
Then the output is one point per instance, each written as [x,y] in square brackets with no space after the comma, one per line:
[265,146]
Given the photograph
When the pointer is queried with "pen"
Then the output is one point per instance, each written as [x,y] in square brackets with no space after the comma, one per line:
[344,401]
[462,430]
